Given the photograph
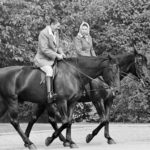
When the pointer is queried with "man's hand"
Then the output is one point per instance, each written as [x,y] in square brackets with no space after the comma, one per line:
[64,56]
[60,56]
[60,51]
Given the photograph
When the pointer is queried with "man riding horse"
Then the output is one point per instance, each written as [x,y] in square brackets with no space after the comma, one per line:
[48,51]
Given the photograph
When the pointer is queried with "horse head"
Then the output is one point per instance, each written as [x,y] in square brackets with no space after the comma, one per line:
[111,75]
[140,66]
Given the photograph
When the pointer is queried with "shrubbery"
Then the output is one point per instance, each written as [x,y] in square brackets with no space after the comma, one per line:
[116,25]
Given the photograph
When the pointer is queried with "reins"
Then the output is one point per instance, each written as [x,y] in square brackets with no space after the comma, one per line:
[85,76]
[78,70]
[125,74]
[122,72]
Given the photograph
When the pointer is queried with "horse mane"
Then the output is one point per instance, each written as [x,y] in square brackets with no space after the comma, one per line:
[76,61]
[125,58]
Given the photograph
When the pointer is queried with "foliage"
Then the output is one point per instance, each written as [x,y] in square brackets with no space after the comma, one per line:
[133,104]
[116,25]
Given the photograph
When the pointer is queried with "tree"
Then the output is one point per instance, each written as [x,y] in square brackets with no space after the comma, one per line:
[116,26]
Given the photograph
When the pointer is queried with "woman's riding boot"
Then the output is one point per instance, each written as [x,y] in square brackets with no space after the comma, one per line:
[49,84]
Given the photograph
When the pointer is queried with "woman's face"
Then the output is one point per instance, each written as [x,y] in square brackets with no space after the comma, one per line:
[84,30]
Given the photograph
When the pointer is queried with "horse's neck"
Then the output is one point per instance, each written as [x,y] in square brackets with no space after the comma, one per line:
[125,63]
[90,66]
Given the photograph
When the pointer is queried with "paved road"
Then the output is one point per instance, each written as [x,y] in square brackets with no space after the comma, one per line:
[127,136]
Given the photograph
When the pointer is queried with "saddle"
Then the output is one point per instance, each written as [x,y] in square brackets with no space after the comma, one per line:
[54,66]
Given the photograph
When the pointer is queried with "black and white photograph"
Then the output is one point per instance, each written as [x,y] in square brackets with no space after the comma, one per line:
[74,74]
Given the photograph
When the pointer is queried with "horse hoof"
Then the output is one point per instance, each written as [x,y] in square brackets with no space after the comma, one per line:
[48,141]
[89,138]
[66,144]
[73,146]
[25,145]
[111,141]
[32,147]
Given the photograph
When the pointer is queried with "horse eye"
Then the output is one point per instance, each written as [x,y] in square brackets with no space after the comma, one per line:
[140,59]
[140,62]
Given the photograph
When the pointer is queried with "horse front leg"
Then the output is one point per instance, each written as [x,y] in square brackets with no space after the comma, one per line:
[13,113]
[106,129]
[53,123]
[99,105]
[69,142]
[52,120]
[62,108]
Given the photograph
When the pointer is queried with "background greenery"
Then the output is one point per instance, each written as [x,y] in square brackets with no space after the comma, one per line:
[116,25]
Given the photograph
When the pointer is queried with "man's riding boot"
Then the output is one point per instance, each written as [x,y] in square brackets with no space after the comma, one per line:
[50,94]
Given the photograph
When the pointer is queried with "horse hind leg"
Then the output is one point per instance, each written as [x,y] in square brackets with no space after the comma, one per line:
[37,111]
[13,113]
[69,141]
[3,107]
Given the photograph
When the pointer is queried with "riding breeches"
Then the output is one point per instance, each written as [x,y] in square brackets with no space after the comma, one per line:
[48,70]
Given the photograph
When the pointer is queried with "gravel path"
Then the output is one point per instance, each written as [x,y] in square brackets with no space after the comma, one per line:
[127,137]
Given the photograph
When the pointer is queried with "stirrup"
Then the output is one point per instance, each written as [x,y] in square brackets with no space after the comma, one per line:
[84,93]
[51,97]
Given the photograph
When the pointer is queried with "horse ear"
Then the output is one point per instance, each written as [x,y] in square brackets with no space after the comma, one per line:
[113,59]
[110,57]
[135,50]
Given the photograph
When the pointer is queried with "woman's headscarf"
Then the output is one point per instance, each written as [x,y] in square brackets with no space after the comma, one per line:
[80,32]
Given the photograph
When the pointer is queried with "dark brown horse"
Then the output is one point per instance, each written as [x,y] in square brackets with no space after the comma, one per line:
[101,97]
[136,64]
[19,84]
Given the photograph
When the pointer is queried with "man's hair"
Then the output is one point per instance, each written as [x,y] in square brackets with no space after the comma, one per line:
[53,21]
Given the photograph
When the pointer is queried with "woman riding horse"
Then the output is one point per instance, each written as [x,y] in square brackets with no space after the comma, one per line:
[83,41]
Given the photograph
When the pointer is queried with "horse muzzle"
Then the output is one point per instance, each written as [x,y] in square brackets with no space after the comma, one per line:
[114,91]
[145,82]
